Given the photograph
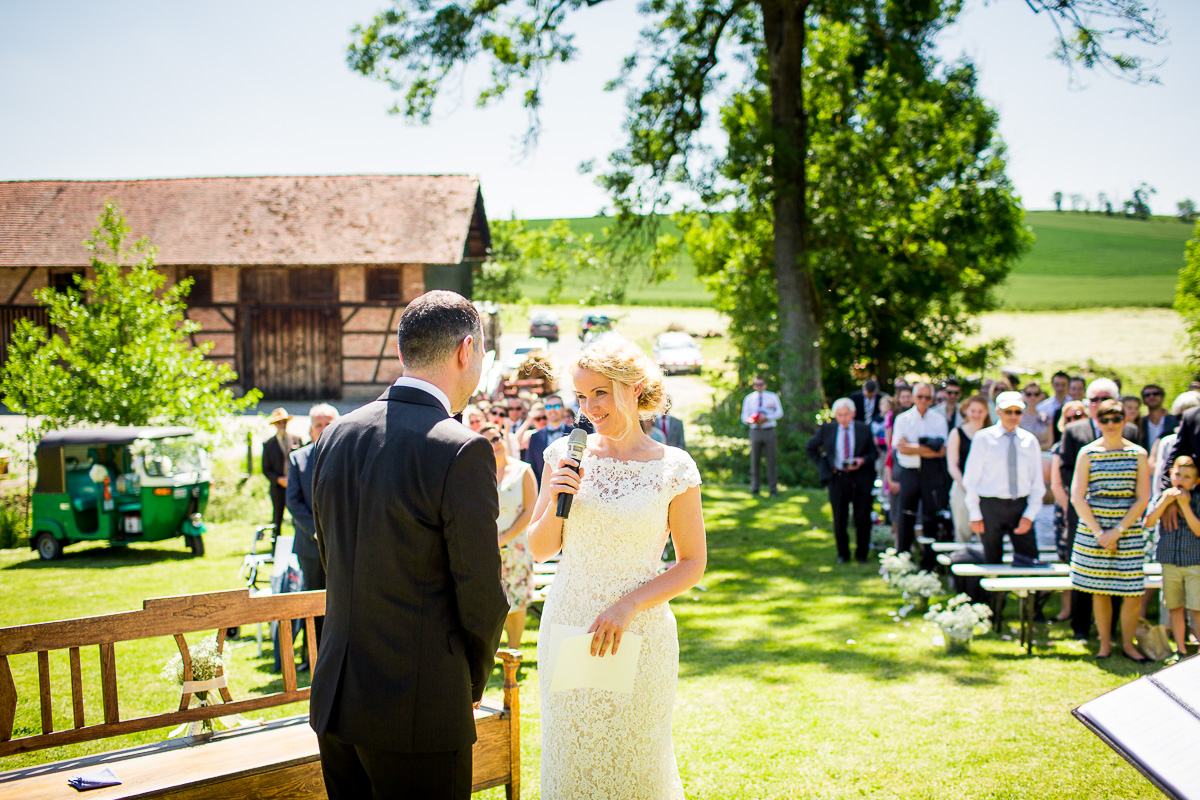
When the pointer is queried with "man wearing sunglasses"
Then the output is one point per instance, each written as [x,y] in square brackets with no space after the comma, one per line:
[1003,482]
[1157,423]
[556,428]
[1077,436]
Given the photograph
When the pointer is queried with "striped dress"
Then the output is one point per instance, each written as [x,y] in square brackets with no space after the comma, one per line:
[1112,488]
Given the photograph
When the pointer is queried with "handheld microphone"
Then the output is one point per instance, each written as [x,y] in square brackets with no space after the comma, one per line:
[576,443]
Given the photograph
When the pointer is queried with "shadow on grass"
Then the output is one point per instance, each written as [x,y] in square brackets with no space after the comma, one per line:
[105,556]
[776,598]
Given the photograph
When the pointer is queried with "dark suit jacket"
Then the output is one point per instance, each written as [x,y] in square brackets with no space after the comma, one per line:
[273,459]
[822,448]
[1077,436]
[538,443]
[299,502]
[404,507]
[674,436]
[860,407]
[1188,429]
[1170,423]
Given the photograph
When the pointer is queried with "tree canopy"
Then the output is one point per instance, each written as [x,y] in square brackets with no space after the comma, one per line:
[693,51]
[119,353]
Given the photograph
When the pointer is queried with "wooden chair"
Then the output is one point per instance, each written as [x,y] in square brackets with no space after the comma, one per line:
[278,759]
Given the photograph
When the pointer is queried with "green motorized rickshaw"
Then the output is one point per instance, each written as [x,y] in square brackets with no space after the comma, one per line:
[119,485]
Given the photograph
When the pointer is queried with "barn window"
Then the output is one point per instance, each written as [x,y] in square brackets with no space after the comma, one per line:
[63,280]
[383,283]
[202,286]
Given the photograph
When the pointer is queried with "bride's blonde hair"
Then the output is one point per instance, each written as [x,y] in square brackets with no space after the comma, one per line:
[624,363]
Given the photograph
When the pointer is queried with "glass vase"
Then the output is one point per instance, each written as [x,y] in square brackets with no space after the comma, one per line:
[956,645]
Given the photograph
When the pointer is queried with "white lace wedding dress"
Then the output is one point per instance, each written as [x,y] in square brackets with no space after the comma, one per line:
[603,745]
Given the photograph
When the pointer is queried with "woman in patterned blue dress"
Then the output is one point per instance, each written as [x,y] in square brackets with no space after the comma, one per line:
[1109,492]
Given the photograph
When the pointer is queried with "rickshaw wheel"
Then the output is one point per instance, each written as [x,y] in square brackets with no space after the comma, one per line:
[196,544]
[48,547]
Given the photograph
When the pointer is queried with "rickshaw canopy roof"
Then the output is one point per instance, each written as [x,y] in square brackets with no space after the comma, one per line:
[125,435]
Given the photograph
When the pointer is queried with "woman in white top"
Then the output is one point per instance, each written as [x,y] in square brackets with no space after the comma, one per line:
[518,492]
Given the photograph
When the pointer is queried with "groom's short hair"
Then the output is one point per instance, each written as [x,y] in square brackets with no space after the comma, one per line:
[432,327]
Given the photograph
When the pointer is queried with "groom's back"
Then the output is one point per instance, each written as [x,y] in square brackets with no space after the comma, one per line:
[396,485]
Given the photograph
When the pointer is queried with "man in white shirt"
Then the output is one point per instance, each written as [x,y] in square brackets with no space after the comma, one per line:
[949,406]
[1003,482]
[919,436]
[761,410]
[1050,406]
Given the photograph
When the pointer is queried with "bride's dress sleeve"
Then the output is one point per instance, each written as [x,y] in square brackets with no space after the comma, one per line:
[683,473]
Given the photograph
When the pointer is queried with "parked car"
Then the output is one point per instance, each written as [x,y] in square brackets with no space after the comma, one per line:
[119,485]
[677,352]
[593,326]
[544,324]
[521,352]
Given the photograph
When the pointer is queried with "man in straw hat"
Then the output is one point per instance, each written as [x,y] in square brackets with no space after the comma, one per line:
[275,463]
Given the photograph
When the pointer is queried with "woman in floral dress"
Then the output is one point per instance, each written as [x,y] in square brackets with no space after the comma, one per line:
[518,492]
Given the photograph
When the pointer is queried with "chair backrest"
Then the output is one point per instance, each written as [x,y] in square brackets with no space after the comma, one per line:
[164,616]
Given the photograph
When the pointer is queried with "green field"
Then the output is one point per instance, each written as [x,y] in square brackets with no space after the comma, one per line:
[1077,261]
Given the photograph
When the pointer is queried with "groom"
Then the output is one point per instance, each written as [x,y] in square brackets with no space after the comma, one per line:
[404,506]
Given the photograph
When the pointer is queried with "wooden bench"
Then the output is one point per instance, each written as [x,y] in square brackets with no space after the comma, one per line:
[1025,587]
[275,759]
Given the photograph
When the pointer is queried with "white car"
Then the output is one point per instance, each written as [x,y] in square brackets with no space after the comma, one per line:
[677,352]
[522,350]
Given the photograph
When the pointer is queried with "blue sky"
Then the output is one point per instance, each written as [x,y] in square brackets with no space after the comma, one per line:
[127,89]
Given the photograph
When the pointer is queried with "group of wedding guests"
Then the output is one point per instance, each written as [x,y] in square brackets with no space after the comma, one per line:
[1102,478]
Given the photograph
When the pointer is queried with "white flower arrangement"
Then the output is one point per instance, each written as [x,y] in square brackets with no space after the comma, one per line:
[207,661]
[894,565]
[961,619]
[919,584]
[207,664]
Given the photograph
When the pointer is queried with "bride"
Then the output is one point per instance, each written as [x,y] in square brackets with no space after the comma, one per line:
[630,494]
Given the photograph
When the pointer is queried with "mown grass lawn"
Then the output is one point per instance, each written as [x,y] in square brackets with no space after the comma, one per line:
[773,699]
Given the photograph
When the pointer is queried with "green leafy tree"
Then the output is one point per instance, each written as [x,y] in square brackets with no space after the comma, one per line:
[1187,210]
[689,50]
[1058,196]
[1187,295]
[1139,206]
[119,353]
[926,222]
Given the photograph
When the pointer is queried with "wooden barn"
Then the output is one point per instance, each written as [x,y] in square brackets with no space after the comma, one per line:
[299,281]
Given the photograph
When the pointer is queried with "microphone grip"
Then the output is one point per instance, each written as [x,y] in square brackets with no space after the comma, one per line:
[564,501]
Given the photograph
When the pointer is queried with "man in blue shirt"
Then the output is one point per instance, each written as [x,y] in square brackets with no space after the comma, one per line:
[1179,548]
[556,428]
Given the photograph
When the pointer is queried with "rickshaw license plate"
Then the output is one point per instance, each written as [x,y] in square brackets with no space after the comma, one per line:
[179,494]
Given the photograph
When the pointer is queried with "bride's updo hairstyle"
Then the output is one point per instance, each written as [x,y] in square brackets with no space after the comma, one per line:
[624,363]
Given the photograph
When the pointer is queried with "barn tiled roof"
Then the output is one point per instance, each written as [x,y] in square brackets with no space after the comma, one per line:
[346,219]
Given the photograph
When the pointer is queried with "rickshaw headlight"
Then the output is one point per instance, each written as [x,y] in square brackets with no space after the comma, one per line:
[196,519]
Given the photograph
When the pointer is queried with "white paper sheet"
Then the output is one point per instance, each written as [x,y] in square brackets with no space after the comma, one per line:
[576,668]
[1154,730]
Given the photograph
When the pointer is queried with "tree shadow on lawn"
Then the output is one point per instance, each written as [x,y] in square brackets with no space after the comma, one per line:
[776,598]
[104,556]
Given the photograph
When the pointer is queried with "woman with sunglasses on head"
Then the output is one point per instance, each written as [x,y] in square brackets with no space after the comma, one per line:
[533,423]
[1110,490]
[518,493]
[958,447]
[630,493]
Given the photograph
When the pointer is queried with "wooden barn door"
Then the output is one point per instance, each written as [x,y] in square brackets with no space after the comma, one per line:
[8,323]
[295,352]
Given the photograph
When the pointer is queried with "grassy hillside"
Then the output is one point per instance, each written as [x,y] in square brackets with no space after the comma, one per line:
[1077,261]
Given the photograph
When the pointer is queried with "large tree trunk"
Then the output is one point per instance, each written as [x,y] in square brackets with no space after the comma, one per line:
[800,347]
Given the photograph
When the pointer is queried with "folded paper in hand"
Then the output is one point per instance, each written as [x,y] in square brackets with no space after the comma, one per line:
[94,780]
[576,668]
